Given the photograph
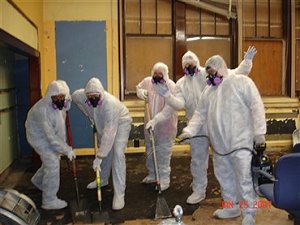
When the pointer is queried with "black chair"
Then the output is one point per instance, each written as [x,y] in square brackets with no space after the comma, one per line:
[284,192]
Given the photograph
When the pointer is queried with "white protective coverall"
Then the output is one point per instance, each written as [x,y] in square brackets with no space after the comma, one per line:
[187,93]
[234,114]
[113,124]
[46,133]
[164,132]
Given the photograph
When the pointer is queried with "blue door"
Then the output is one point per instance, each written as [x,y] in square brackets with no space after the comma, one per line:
[80,55]
[21,73]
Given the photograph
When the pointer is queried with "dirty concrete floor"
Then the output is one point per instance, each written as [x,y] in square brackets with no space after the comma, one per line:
[140,198]
[203,216]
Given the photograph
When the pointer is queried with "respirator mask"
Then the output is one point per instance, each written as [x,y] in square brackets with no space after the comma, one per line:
[94,100]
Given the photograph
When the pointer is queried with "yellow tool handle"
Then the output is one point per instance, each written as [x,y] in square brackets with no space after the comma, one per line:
[98,179]
[98,182]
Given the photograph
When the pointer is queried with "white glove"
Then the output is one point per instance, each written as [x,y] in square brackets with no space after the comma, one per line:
[68,105]
[96,164]
[92,185]
[249,55]
[161,89]
[150,125]
[68,101]
[259,140]
[71,155]
[142,94]
[184,135]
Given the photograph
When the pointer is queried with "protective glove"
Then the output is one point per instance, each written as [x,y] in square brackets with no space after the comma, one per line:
[96,164]
[259,140]
[150,125]
[161,89]
[68,102]
[184,135]
[71,155]
[249,55]
[92,185]
[142,94]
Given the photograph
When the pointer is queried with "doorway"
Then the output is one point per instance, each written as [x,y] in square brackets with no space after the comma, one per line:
[19,90]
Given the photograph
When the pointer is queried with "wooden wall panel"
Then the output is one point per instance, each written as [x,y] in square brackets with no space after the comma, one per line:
[249,18]
[276,18]
[148,17]
[141,54]
[180,36]
[164,17]
[132,16]
[267,66]
[207,48]
[35,95]
[298,67]
[222,26]
[262,18]
[207,23]
[192,20]
[297,21]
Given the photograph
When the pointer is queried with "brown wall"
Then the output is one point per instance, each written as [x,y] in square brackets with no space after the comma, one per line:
[142,54]
[298,66]
[266,71]
[207,48]
[267,66]
[262,27]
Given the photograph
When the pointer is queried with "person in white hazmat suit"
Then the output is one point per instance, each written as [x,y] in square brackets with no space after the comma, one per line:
[187,93]
[164,132]
[46,133]
[113,124]
[234,115]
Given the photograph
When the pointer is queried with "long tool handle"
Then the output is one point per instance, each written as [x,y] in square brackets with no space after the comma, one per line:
[75,180]
[98,182]
[153,149]
[98,179]
[74,170]
[155,161]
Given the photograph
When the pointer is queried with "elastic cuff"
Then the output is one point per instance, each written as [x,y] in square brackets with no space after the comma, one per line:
[167,94]
[248,61]
[184,130]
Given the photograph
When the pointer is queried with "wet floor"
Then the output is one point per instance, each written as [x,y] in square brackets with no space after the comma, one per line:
[140,199]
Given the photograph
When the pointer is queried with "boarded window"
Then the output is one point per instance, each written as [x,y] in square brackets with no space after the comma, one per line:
[262,18]
[148,17]
[141,54]
[298,47]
